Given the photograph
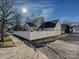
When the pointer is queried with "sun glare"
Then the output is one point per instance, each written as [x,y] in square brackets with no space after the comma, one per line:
[24,10]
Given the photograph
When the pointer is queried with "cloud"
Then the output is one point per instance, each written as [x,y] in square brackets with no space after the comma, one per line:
[46,12]
[45,7]
[36,3]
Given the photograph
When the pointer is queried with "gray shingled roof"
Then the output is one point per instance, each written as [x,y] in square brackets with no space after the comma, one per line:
[49,24]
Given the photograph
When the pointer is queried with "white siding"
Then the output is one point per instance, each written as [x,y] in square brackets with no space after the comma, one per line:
[48,29]
[58,27]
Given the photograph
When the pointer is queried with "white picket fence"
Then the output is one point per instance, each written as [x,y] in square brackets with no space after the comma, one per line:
[36,34]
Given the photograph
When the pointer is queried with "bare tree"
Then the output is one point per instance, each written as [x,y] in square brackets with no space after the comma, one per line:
[17,21]
[6,11]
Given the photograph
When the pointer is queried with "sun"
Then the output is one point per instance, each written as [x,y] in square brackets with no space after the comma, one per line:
[24,10]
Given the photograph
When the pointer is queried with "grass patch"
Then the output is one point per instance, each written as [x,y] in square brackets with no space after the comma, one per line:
[8,42]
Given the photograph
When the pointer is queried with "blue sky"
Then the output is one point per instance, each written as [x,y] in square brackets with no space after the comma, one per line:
[65,10]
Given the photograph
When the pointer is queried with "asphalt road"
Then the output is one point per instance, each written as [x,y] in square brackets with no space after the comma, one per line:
[67,49]
[72,38]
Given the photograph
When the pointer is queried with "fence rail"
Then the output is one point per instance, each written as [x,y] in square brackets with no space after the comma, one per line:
[36,34]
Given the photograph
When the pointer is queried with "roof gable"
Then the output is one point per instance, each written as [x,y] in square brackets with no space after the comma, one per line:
[55,21]
[49,24]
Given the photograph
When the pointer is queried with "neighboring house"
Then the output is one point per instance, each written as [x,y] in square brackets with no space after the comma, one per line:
[35,20]
[51,26]
[29,26]
[38,21]
[75,28]
[65,28]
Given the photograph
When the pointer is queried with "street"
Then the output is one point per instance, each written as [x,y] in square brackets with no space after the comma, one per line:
[68,48]
[72,38]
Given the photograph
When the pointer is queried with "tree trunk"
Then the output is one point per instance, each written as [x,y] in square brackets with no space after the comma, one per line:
[17,25]
[2,31]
